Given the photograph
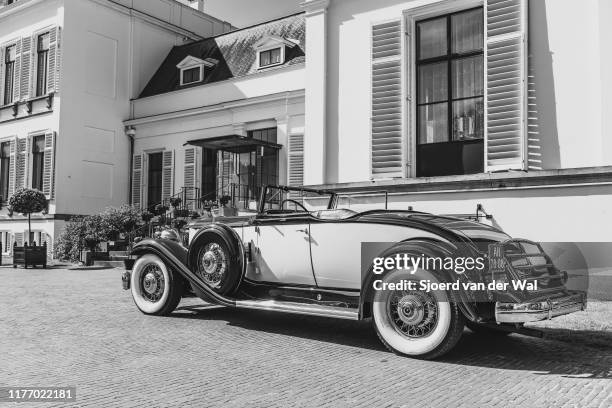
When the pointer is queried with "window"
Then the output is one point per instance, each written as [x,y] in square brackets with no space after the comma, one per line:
[191,75]
[38,161]
[9,73]
[42,64]
[270,57]
[5,165]
[155,180]
[450,94]
[5,236]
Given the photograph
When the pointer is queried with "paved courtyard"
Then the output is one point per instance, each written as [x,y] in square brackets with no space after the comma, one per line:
[78,328]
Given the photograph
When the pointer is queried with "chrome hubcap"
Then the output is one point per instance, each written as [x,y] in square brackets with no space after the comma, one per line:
[152,283]
[213,264]
[413,314]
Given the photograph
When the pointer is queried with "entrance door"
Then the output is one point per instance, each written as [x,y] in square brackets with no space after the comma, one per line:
[154,177]
[209,174]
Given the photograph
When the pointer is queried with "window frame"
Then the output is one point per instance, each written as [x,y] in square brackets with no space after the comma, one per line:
[15,78]
[188,68]
[31,154]
[410,18]
[42,91]
[7,175]
[448,60]
[279,47]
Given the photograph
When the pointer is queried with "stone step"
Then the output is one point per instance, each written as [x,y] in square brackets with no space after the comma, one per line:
[113,254]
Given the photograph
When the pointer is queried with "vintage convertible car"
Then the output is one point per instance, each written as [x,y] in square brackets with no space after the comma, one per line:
[299,253]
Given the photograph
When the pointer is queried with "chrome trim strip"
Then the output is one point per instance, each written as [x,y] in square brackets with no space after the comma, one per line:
[299,308]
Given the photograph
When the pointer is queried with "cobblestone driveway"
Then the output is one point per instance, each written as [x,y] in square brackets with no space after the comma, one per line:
[60,327]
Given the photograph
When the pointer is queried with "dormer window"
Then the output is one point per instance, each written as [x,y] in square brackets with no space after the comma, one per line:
[192,69]
[191,75]
[271,50]
[270,57]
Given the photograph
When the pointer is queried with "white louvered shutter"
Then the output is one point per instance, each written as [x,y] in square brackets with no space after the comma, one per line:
[189,175]
[21,163]
[26,64]
[17,66]
[12,166]
[2,54]
[167,174]
[49,166]
[137,167]
[54,60]
[19,238]
[506,85]
[295,160]
[386,132]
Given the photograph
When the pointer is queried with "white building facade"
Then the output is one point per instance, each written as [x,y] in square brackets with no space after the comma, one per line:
[68,70]
[443,104]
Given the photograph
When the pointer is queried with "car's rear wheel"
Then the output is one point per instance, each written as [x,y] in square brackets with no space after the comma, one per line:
[416,323]
[155,288]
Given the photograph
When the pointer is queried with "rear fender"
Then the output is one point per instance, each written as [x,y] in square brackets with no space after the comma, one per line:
[415,247]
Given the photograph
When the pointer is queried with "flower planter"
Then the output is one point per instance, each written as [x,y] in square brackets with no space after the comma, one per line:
[30,256]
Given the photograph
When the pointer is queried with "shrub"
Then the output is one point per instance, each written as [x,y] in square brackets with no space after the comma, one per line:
[71,241]
[161,209]
[120,220]
[178,224]
[146,216]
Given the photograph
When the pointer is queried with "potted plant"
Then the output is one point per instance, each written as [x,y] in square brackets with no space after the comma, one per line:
[225,208]
[27,201]
[175,201]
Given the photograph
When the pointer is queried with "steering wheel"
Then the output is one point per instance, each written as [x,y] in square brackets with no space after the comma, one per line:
[297,203]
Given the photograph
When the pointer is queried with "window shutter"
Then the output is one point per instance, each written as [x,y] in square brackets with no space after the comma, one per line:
[137,180]
[21,163]
[2,54]
[49,166]
[26,62]
[18,236]
[12,166]
[386,132]
[167,174]
[54,60]
[16,82]
[506,85]
[189,175]
[296,160]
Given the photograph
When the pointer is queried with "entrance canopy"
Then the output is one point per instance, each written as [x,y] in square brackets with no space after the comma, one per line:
[233,143]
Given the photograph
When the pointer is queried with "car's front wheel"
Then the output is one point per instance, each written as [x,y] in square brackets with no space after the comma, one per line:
[416,323]
[156,289]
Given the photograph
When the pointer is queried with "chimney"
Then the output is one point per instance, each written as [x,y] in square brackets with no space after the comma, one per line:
[201,5]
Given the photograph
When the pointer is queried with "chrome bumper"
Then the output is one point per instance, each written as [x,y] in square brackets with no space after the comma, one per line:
[540,309]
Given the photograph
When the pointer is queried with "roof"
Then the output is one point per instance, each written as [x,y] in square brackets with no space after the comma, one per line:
[235,52]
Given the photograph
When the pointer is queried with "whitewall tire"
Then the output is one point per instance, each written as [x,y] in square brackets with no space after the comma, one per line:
[156,290]
[416,323]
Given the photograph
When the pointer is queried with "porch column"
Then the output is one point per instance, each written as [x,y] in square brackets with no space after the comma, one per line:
[282,127]
[316,74]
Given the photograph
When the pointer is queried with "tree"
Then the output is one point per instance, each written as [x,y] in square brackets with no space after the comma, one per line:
[27,201]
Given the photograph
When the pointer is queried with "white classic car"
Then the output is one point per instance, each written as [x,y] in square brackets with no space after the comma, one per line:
[301,254]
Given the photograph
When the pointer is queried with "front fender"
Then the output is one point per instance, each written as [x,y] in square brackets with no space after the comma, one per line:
[144,246]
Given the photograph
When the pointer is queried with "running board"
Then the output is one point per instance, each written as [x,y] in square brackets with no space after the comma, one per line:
[300,308]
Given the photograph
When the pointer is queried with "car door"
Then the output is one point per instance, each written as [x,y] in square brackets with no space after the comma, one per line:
[282,251]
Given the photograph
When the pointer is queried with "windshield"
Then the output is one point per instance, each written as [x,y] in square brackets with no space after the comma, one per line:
[281,199]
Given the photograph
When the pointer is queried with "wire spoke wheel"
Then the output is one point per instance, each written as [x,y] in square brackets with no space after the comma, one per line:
[212,264]
[414,314]
[152,283]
